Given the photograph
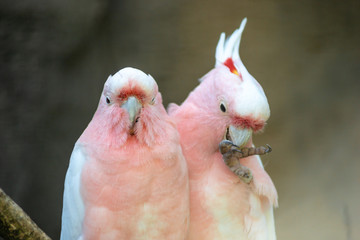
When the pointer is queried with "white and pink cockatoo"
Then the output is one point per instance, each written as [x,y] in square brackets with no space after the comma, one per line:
[228,104]
[127,177]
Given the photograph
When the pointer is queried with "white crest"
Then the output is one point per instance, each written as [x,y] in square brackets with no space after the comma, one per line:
[122,77]
[229,48]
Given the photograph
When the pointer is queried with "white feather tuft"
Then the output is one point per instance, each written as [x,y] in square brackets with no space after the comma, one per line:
[220,47]
[120,79]
[229,48]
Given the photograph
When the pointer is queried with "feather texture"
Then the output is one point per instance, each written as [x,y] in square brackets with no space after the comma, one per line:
[227,99]
[127,177]
[73,206]
[229,48]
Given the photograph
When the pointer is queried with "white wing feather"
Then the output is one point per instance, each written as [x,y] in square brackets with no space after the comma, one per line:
[73,206]
[269,214]
[264,216]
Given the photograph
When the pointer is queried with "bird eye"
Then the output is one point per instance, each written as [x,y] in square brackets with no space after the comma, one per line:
[153,100]
[222,107]
[107,100]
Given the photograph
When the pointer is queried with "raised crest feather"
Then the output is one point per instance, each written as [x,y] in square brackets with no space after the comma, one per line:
[229,48]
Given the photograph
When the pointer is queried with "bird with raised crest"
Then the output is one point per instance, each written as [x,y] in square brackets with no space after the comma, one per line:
[229,104]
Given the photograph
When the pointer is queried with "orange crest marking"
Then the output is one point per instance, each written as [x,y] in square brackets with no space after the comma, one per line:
[230,64]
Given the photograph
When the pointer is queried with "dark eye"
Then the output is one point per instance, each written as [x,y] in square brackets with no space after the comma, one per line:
[107,100]
[222,107]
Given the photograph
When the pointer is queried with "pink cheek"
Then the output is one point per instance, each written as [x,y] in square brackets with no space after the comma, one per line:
[248,122]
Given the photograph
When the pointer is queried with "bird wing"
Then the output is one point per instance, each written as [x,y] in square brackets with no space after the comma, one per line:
[269,214]
[73,206]
[260,220]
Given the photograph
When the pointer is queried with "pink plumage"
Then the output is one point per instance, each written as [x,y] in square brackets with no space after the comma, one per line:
[127,177]
[223,106]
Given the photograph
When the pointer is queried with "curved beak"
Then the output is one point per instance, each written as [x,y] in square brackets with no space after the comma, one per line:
[133,107]
[239,136]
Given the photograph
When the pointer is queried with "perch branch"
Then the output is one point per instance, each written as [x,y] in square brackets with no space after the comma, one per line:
[15,223]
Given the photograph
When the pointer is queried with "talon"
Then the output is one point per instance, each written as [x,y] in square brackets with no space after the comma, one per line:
[247,177]
[232,153]
[269,148]
[225,146]
[243,173]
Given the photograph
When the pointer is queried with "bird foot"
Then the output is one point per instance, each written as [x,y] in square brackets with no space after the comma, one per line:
[244,173]
[232,153]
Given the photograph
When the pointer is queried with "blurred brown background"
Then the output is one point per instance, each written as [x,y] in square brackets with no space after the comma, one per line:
[56,55]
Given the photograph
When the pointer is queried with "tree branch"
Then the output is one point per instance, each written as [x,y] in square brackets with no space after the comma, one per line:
[15,223]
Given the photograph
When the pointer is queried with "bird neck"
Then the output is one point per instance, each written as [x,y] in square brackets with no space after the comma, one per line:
[200,135]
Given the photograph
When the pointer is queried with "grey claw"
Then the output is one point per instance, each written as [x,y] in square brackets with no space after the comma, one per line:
[269,148]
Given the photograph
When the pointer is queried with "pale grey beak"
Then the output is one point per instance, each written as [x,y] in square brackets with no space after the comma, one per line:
[133,107]
[239,136]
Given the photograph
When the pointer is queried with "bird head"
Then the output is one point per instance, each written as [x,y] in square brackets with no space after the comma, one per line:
[130,109]
[241,98]
[126,97]
[236,101]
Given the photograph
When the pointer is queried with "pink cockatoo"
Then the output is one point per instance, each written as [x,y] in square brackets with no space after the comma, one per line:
[228,104]
[127,177]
